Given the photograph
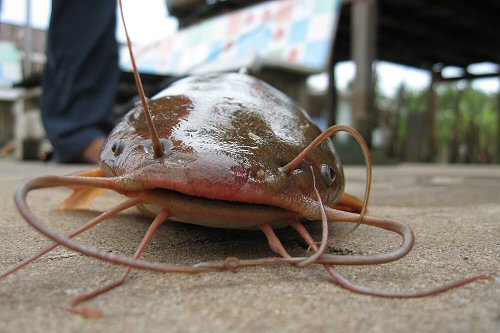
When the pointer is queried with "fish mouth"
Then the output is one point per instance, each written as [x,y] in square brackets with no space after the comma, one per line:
[215,213]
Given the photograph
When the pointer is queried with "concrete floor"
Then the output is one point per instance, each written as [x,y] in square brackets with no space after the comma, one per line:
[454,212]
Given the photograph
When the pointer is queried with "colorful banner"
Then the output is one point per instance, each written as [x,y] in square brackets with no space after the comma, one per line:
[288,33]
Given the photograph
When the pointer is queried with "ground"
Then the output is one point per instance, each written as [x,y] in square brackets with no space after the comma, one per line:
[453,211]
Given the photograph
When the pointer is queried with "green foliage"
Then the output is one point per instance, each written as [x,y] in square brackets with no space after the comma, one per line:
[465,119]
[468,116]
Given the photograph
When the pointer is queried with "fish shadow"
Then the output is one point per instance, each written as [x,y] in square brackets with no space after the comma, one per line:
[183,243]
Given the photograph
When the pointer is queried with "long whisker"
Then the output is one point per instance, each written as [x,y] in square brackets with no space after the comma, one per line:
[274,241]
[96,313]
[341,217]
[294,164]
[324,227]
[49,181]
[44,182]
[157,147]
[230,263]
[345,283]
[342,281]
[121,207]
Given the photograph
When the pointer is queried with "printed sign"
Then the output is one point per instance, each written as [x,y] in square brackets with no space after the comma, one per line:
[289,33]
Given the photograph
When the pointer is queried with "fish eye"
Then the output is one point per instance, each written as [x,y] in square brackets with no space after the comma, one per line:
[329,173]
[117,147]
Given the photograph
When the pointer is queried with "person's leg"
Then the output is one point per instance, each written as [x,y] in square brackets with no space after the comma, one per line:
[80,77]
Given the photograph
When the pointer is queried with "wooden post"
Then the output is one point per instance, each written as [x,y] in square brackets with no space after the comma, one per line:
[332,98]
[429,150]
[497,157]
[28,42]
[393,137]
[363,49]
[455,139]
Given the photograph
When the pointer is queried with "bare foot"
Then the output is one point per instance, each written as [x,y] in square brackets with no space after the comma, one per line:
[91,153]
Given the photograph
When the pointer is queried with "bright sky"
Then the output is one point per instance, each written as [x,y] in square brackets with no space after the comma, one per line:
[149,23]
[146,24]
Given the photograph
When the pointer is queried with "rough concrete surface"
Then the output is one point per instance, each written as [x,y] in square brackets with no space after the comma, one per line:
[453,210]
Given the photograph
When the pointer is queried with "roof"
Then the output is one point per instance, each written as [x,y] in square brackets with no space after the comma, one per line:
[421,33]
[417,33]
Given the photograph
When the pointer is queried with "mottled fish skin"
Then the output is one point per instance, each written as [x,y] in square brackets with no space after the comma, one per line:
[226,136]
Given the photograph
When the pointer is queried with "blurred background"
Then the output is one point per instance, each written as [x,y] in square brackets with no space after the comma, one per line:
[418,78]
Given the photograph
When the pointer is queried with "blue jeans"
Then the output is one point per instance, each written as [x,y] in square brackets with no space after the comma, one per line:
[81,75]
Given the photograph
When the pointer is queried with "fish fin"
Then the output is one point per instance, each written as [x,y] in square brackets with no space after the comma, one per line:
[82,196]
[349,203]
[97,172]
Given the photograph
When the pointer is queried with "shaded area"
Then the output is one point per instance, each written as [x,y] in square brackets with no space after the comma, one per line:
[421,33]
